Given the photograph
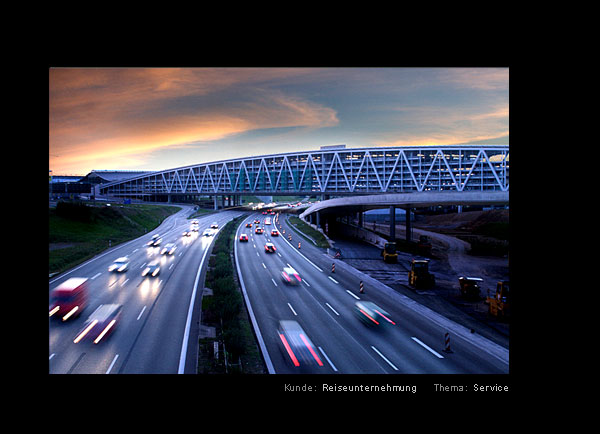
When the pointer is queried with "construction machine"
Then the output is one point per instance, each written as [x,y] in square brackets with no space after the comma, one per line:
[389,253]
[469,287]
[424,246]
[499,304]
[419,275]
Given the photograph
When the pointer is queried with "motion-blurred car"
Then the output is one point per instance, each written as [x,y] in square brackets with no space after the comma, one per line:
[290,276]
[274,233]
[214,225]
[248,225]
[152,269]
[120,264]
[256,221]
[258,231]
[153,240]
[69,298]
[101,323]
[169,249]
[270,248]
[371,314]
[208,232]
[297,344]
[194,228]
[243,237]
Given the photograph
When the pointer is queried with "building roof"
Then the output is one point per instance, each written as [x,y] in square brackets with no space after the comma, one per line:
[102,176]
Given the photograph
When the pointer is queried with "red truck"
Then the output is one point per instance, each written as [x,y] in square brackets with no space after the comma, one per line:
[69,298]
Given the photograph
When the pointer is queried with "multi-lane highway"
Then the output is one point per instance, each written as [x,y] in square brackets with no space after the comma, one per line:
[157,334]
[158,314]
[408,339]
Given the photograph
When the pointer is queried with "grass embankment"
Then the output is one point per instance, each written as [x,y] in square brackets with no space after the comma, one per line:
[307,230]
[238,350]
[77,232]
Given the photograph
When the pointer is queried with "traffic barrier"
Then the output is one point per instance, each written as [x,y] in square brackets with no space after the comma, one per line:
[333,268]
[447,343]
[362,288]
[298,245]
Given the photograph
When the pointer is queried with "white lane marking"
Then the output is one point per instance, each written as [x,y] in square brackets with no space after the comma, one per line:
[135,250]
[51,355]
[384,358]
[140,315]
[327,358]
[254,245]
[142,266]
[123,284]
[427,348]
[257,254]
[292,309]
[334,311]
[279,254]
[355,296]
[264,266]
[273,280]
[307,284]
[95,276]
[112,364]
[332,279]
[171,266]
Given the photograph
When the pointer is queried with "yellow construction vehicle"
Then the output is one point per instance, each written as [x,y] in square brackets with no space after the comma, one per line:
[419,275]
[389,253]
[469,287]
[499,304]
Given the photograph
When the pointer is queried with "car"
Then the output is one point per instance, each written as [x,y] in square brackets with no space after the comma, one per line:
[187,233]
[371,314]
[154,238]
[298,346]
[214,225]
[208,232]
[248,225]
[194,228]
[270,248]
[243,237]
[152,269]
[195,222]
[101,323]
[169,249]
[290,276]
[257,222]
[258,231]
[120,264]
[274,233]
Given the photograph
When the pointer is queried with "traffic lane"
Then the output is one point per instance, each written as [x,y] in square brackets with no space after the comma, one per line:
[158,345]
[268,299]
[395,341]
[317,318]
[467,359]
[101,292]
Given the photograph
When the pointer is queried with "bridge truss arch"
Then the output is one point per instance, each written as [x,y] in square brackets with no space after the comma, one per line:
[332,171]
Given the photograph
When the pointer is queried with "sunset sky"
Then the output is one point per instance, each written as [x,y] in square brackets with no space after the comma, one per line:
[162,118]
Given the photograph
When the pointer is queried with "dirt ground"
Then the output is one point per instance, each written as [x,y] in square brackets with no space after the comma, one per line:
[450,260]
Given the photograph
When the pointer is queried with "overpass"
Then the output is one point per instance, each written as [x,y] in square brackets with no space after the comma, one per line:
[329,171]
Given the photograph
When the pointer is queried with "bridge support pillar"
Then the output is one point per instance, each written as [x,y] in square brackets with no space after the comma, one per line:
[392,223]
[360,219]
[408,226]
[318,219]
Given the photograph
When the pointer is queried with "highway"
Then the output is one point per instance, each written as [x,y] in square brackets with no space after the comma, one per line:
[158,318]
[411,342]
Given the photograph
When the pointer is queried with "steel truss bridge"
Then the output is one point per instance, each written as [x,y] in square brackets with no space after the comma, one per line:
[329,171]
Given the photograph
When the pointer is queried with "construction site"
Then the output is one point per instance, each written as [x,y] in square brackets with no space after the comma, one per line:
[456,264]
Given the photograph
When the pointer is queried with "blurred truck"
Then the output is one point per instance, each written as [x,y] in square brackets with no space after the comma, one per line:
[69,298]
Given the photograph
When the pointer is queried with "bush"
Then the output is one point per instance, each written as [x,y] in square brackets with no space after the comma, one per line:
[73,211]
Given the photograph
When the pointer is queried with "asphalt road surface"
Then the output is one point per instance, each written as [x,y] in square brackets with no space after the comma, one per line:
[323,305]
[158,316]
